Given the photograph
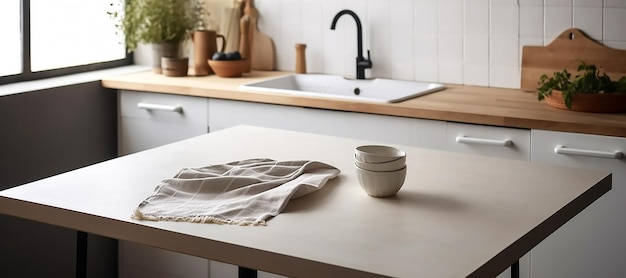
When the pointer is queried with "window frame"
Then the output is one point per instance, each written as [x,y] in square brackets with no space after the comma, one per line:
[28,75]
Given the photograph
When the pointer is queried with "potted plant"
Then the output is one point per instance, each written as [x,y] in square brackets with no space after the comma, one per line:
[589,91]
[165,24]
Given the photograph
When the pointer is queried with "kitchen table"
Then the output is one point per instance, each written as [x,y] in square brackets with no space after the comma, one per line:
[457,215]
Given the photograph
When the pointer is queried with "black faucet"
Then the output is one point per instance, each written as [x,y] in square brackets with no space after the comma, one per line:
[361,62]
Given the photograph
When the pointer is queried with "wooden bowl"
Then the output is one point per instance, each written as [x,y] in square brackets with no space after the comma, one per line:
[229,68]
[594,103]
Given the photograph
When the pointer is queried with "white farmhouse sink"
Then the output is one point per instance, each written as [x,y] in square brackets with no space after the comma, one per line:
[334,86]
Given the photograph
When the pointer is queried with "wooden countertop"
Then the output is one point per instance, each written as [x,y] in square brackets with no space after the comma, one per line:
[457,215]
[467,104]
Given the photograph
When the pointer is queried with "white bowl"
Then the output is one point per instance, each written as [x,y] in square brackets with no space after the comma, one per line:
[381,184]
[382,167]
[377,154]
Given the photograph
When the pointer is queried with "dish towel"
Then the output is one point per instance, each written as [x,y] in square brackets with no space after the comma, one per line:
[246,192]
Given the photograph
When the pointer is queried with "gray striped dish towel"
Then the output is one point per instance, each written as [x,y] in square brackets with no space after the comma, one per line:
[246,192]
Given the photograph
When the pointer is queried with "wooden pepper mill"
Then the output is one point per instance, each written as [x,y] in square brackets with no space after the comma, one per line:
[300,58]
[244,41]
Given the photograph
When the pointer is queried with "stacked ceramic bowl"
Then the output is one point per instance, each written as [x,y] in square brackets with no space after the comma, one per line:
[380,169]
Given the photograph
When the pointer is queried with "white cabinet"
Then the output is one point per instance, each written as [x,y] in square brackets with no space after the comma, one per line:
[593,243]
[380,128]
[590,245]
[148,120]
[502,142]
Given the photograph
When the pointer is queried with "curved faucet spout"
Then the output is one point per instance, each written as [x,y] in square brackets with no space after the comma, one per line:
[361,62]
[359,30]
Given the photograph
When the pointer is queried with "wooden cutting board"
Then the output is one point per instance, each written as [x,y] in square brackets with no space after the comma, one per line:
[261,46]
[564,52]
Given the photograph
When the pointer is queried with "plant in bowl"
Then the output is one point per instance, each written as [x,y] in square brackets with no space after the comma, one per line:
[164,24]
[590,90]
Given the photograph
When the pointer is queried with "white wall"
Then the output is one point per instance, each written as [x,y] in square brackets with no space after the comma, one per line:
[472,42]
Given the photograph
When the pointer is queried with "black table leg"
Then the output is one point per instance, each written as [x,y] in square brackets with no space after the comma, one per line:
[515,269]
[247,272]
[81,254]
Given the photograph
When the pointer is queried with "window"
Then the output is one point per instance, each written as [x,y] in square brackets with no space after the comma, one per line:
[10,29]
[51,38]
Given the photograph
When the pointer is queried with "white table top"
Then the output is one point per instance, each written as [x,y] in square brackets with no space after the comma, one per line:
[457,215]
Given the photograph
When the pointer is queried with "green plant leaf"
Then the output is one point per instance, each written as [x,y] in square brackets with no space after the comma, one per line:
[155,21]
[589,80]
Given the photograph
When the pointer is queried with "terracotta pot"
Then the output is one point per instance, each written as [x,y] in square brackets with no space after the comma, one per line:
[596,103]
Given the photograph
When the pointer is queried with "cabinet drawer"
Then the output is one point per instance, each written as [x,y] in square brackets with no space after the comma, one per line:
[224,113]
[149,120]
[578,150]
[163,107]
[500,142]
[599,229]
[380,128]
[139,134]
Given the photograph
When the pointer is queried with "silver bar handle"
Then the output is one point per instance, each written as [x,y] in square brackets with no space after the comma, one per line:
[160,107]
[483,141]
[560,149]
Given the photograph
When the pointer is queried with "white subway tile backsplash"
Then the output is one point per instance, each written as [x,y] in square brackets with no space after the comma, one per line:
[476,49]
[614,24]
[450,58]
[589,20]
[616,44]
[474,42]
[531,21]
[504,63]
[588,3]
[450,73]
[450,19]
[528,41]
[504,51]
[476,18]
[451,48]
[334,64]
[559,3]
[504,19]
[379,29]
[312,34]
[531,2]
[313,65]
[476,2]
[426,48]
[402,68]
[504,76]
[476,74]
[311,14]
[290,14]
[425,55]
[556,20]
[614,4]
[401,30]
[426,17]
[383,67]
[426,71]
[266,22]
